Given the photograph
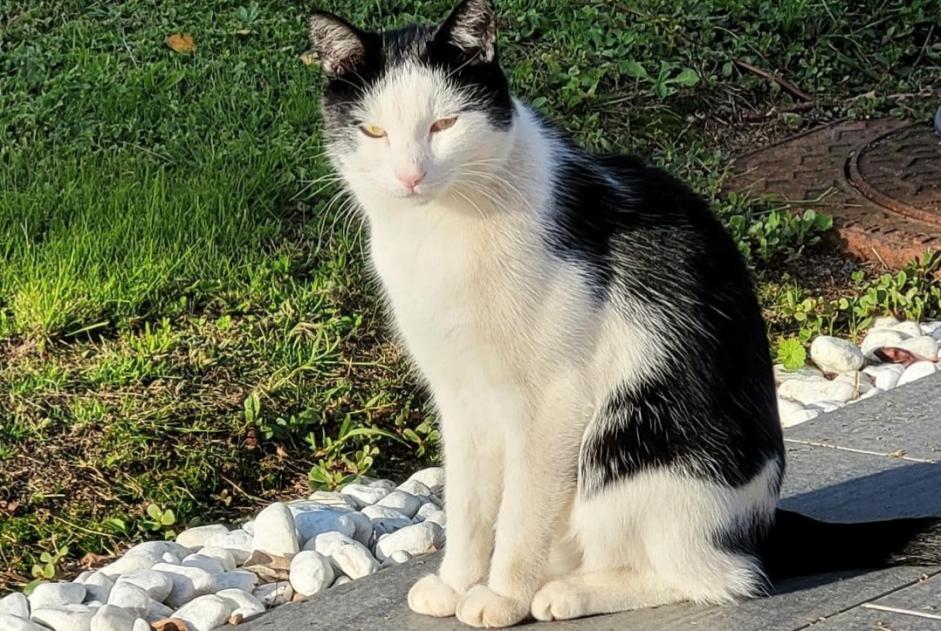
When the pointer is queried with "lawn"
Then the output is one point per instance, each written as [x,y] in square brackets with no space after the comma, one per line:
[185,318]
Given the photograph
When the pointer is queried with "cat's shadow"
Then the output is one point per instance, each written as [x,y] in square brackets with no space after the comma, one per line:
[913,490]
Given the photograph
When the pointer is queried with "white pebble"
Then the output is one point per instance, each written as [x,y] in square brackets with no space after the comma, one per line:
[310,573]
[364,495]
[97,587]
[399,556]
[380,484]
[328,542]
[405,503]
[222,555]
[249,526]
[238,543]
[923,346]
[61,620]
[415,539]
[9,622]
[83,576]
[188,583]
[383,512]
[274,594]
[833,354]
[275,532]
[205,613]
[113,618]
[909,328]
[860,381]
[819,389]
[416,488]
[342,579]
[362,526]
[141,625]
[804,372]
[436,515]
[354,560]
[311,523]
[157,584]
[236,579]
[54,595]
[209,564]
[800,416]
[388,525]
[131,598]
[198,536]
[879,338]
[885,376]
[158,611]
[827,406]
[242,602]
[884,322]
[930,328]
[15,604]
[917,371]
[432,477]
[332,499]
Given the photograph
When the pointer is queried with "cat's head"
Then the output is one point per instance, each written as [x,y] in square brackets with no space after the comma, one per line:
[413,113]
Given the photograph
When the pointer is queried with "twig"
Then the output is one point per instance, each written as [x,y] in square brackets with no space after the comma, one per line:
[784,83]
[757,117]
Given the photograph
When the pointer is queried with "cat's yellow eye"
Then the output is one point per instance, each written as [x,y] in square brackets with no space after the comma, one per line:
[443,123]
[373,131]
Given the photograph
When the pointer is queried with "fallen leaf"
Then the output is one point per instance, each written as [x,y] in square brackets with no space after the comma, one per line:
[309,58]
[895,355]
[236,618]
[169,624]
[181,43]
[91,560]
[898,453]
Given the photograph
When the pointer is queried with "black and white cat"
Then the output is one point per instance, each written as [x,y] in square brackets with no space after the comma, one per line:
[591,339]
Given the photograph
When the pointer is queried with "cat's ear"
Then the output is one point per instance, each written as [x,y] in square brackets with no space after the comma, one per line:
[472,27]
[339,45]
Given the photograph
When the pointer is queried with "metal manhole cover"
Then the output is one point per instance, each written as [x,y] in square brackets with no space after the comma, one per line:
[901,170]
[879,179]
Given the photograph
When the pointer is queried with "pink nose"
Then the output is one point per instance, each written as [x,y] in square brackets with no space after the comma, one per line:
[410,179]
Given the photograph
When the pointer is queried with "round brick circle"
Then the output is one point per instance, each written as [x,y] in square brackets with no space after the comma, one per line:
[901,171]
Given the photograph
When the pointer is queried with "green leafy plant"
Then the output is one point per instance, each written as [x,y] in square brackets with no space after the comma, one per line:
[669,76]
[47,567]
[791,354]
[159,520]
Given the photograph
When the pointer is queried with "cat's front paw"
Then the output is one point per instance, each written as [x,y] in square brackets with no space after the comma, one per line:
[483,607]
[430,596]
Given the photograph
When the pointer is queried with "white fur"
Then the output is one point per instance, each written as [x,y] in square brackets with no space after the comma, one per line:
[519,359]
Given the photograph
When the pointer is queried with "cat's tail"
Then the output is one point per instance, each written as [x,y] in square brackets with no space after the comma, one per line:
[798,545]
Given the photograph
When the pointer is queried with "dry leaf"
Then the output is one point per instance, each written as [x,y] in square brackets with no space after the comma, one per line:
[308,58]
[169,624]
[181,43]
[895,355]
[236,618]
[92,560]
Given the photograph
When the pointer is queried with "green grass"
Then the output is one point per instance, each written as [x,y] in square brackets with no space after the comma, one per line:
[184,315]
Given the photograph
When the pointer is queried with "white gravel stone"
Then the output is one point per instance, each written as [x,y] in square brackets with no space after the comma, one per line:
[157,584]
[908,328]
[827,406]
[144,556]
[819,389]
[342,579]
[328,542]
[428,508]
[860,381]
[238,543]
[205,613]
[188,583]
[97,587]
[885,376]
[311,523]
[380,484]
[274,594]
[209,564]
[354,560]
[432,477]
[249,526]
[53,595]
[81,578]
[61,620]
[917,371]
[415,539]
[439,517]
[363,495]
[383,512]
[879,338]
[141,625]
[158,611]
[798,417]
[398,500]
[131,598]
[833,354]
[243,603]
[15,604]
[884,322]
[388,525]
[416,488]
[198,536]
[113,618]
[275,532]
[236,579]
[930,328]
[362,527]
[332,499]
[782,374]
[310,573]
[923,346]
[222,555]
[398,557]
[15,623]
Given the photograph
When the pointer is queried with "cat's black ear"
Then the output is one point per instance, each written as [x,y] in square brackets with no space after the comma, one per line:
[472,27]
[339,45]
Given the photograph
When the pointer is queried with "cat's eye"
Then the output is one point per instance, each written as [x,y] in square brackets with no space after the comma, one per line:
[373,131]
[443,123]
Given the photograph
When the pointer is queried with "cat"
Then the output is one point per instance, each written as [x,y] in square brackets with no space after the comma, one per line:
[590,336]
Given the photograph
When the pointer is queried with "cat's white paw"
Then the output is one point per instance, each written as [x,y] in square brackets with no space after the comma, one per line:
[557,601]
[483,607]
[431,596]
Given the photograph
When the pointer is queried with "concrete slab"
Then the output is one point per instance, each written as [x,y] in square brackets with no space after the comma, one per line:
[839,468]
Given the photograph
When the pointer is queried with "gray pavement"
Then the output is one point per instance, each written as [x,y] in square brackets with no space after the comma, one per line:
[875,459]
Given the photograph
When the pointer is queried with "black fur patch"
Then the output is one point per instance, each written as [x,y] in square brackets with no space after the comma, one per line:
[652,243]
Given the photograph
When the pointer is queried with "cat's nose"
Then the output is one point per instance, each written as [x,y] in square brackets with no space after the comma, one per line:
[411,178]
